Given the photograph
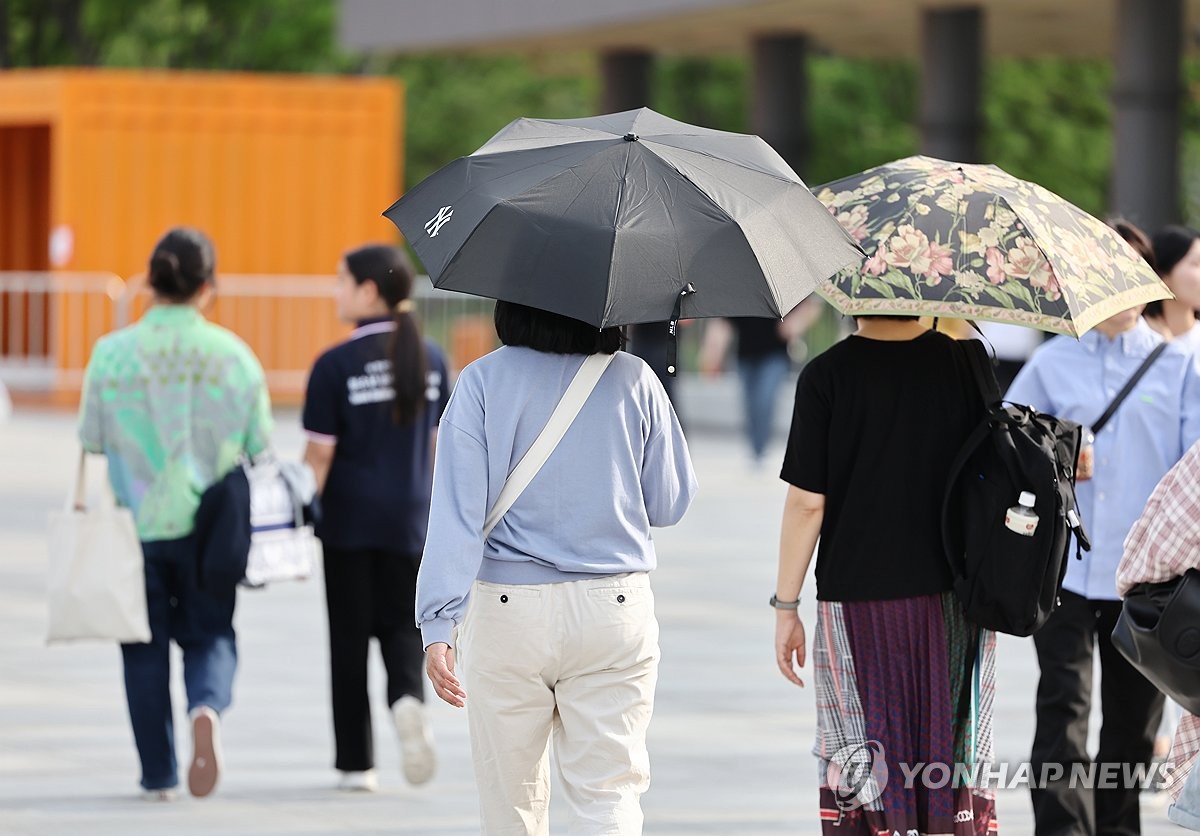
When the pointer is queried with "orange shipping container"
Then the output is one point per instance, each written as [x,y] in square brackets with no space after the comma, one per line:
[284,172]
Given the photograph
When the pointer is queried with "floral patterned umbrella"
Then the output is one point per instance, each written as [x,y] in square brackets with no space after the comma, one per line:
[973,242]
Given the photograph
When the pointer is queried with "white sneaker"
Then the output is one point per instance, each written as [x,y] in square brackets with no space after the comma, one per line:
[416,740]
[358,781]
[206,751]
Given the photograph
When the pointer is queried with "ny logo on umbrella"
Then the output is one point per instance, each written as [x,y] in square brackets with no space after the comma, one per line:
[438,221]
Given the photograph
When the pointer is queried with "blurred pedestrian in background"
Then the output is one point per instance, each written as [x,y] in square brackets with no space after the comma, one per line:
[763,363]
[1177,259]
[371,415]
[552,612]
[900,674]
[173,402]
[1148,433]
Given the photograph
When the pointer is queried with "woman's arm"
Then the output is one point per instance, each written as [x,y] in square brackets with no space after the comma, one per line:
[803,513]
[718,335]
[453,552]
[319,456]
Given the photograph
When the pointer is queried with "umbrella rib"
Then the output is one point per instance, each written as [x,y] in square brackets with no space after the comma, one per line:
[767,278]
[612,250]
[711,156]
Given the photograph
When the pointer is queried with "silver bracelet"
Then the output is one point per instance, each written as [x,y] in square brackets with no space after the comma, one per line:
[785,605]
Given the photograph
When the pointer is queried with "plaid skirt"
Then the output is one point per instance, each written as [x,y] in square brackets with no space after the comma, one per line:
[904,690]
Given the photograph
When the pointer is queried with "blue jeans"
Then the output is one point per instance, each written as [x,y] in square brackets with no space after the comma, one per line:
[761,379]
[202,625]
[1185,812]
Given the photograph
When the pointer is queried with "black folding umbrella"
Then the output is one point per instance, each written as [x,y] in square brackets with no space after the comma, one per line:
[625,218]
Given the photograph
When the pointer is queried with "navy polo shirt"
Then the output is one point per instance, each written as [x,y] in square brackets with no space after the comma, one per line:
[377,492]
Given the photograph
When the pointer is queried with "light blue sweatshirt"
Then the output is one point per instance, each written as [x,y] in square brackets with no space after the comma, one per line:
[622,467]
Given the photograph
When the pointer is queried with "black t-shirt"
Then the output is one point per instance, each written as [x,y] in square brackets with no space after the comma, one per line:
[379,484]
[876,427]
[758,337]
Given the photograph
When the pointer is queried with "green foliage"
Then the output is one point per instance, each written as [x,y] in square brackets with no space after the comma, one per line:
[1189,143]
[863,114]
[264,35]
[456,103]
[705,91]
[1049,120]
[1046,120]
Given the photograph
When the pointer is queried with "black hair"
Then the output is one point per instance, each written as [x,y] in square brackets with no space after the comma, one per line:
[893,317]
[389,269]
[181,265]
[1171,245]
[521,325]
[1137,239]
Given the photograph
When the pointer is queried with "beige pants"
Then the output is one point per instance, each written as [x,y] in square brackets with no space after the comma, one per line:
[574,661]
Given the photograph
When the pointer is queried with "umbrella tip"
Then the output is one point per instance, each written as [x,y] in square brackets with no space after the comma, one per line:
[631,137]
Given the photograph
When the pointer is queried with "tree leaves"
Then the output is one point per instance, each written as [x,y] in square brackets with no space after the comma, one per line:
[1047,120]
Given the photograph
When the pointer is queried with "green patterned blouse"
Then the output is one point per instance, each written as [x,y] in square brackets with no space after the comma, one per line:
[172,401]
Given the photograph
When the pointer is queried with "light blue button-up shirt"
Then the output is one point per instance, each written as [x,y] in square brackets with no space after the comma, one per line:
[1077,379]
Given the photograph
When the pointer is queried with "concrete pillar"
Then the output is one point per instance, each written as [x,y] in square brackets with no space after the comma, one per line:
[1146,98]
[779,112]
[625,76]
[951,83]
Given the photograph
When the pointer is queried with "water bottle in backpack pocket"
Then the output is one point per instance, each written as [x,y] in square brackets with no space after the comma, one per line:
[1008,580]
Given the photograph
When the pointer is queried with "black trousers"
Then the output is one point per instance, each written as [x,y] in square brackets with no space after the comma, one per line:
[1132,709]
[369,593]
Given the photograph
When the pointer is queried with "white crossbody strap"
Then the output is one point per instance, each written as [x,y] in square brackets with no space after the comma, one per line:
[577,393]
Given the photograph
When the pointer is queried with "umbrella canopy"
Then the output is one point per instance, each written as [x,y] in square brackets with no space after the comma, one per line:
[614,219]
[973,242]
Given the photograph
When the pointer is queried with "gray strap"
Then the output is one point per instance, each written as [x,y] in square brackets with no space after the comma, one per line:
[577,393]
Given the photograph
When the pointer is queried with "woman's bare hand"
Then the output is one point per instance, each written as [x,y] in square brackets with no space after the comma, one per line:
[439,664]
[790,645]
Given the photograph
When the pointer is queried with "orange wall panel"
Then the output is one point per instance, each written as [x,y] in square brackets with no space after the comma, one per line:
[284,173]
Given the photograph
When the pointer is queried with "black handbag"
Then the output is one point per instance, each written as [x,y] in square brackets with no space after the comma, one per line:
[1158,631]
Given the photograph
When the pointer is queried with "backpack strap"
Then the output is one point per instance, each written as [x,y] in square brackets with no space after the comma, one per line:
[977,437]
[980,365]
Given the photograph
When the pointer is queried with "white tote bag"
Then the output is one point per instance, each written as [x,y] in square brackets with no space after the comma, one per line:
[97,583]
[282,546]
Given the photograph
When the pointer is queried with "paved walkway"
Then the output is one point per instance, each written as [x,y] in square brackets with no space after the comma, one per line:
[730,739]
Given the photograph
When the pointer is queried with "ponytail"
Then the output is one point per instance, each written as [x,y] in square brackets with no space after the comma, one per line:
[393,276]
[410,366]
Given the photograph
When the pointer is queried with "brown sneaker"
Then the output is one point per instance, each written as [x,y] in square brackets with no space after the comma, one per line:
[206,751]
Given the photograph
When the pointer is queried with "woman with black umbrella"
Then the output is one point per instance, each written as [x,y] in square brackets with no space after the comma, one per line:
[549,608]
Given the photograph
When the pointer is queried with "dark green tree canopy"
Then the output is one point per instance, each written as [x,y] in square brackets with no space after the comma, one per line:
[1047,120]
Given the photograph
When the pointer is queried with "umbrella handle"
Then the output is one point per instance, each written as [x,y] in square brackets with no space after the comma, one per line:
[673,328]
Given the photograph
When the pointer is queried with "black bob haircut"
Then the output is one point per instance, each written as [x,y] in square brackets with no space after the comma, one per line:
[521,325]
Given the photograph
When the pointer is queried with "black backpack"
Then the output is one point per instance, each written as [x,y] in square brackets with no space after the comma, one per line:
[1010,582]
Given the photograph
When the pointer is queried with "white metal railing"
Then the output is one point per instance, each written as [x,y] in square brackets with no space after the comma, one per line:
[48,322]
